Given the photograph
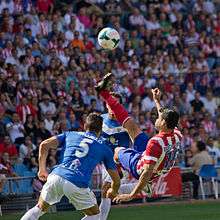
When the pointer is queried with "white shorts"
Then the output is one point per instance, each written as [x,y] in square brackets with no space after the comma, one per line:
[56,187]
[106,177]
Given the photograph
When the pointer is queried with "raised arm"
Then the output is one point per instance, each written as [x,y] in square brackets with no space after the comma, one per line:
[157,96]
[44,148]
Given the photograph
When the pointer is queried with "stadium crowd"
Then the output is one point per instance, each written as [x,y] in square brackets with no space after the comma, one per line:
[50,62]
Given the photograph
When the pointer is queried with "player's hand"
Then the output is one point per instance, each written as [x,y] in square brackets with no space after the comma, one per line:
[122,198]
[156,94]
[111,194]
[42,174]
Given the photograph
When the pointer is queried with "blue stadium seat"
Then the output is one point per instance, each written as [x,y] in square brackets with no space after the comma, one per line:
[20,169]
[208,172]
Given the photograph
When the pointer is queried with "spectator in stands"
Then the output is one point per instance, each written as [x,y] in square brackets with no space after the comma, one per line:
[210,103]
[213,151]
[26,150]
[44,6]
[42,132]
[197,104]
[24,109]
[77,42]
[200,157]
[72,123]
[9,148]
[30,126]
[136,18]
[5,163]
[46,105]
[16,129]
[49,122]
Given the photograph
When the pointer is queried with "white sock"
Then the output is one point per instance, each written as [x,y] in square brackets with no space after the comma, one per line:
[33,214]
[104,208]
[91,217]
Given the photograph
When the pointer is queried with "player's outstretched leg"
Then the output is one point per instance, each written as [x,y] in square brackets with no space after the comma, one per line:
[119,111]
[37,211]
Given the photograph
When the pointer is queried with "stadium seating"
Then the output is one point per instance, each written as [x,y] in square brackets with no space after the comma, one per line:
[208,172]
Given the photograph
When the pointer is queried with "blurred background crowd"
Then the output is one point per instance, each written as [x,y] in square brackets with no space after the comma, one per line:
[50,62]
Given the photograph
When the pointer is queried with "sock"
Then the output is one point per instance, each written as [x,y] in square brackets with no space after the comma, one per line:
[119,111]
[33,214]
[104,207]
[91,217]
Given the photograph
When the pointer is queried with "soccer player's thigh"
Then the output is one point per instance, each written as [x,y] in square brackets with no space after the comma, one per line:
[132,128]
[83,199]
[106,181]
[140,142]
[51,193]
[126,158]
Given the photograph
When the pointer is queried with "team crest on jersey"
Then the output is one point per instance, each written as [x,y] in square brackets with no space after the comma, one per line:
[112,140]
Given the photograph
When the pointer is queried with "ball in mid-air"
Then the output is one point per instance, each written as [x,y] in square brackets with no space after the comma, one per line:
[108,38]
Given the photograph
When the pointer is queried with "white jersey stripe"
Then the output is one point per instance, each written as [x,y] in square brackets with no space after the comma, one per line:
[111,131]
[169,141]
[161,143]
[150,158]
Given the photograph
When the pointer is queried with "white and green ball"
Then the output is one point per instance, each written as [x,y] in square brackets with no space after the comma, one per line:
[108,38]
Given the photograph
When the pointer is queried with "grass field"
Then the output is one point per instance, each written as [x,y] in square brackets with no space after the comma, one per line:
[198,211]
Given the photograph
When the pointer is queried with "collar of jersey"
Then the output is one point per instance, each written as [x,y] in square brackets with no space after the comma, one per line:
[166,133]
[91,133]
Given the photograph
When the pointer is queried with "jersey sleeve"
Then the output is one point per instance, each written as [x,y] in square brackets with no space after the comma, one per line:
[61,138]
[108,159]
[152,153]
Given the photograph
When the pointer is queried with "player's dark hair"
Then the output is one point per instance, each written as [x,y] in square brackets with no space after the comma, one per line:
[94,123]
[171,117]
[117,95]
[200,145]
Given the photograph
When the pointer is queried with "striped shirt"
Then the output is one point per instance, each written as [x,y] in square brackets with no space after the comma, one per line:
[161,150]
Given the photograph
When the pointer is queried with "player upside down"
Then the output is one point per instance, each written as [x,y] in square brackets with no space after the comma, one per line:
[160,151]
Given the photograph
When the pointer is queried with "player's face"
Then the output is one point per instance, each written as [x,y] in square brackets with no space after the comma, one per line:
[159,124]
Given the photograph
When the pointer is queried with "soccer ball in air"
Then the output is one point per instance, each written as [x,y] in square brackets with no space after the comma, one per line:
[108,38]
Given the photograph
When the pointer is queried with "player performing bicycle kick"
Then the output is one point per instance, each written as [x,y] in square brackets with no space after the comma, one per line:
[160,151]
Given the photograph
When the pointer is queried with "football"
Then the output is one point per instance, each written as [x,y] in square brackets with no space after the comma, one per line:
[108,38]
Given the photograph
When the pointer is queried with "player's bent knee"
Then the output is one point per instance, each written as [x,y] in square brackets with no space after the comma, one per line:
[132,128]
[44,206]
[105,187]
[117,149]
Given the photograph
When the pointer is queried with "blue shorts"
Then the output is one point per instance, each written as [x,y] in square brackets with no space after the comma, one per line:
[129,158]
[140,142]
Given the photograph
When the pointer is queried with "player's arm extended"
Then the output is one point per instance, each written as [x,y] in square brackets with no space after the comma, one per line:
[156,96]
[115,184]
[143,180]
[44,148]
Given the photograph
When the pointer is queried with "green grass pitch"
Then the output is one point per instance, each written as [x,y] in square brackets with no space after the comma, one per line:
[198,211]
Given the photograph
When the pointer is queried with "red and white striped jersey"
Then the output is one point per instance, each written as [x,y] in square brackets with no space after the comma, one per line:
[161,150]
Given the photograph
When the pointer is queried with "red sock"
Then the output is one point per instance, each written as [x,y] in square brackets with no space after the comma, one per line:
[119,111]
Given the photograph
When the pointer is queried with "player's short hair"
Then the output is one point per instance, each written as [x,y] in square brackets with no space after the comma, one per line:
[200,145]
[117,95]
[94,123]
[171,117]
